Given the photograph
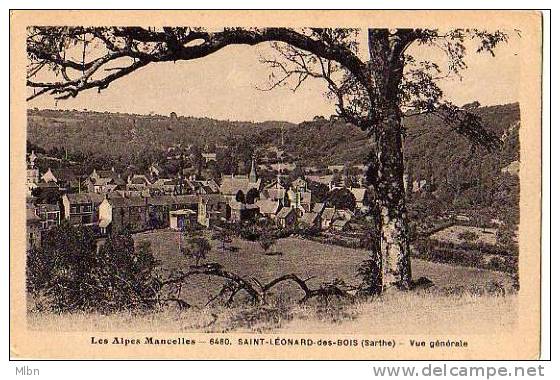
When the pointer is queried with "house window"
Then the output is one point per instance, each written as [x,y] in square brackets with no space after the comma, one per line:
[73,209]
[86,208]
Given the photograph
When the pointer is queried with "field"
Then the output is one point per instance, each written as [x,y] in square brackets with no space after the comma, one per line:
[453,234]
[450,312]
[307,259]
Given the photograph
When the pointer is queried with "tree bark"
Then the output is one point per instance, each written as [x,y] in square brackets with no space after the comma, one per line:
[391,205]
[387,161]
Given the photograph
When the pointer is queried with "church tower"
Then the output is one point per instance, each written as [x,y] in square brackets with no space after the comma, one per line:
[253,173]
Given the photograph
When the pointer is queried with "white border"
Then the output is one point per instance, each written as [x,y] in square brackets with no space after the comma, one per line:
[276,370]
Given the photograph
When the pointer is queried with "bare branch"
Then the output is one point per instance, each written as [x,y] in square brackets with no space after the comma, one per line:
[148,45]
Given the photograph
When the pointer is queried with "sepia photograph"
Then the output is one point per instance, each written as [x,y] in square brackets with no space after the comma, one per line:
[322,184]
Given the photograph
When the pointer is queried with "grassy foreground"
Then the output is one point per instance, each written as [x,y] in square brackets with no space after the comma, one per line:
[397,313]
[462,299]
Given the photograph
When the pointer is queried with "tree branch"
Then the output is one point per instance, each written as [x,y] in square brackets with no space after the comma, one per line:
[148,45]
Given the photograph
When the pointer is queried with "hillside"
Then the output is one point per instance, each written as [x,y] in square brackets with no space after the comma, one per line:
[314,142]
[433,153]
[128,137]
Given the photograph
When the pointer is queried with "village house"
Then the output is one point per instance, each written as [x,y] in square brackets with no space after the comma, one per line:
[49,214]
[82,208]
[327,217]
[274,192]
[182,219]
[65,178]
[104,181]
[286,217]
[311,219]
[205,186]
[166,186]
[241,211]
[160,206]
[209,157]
[268,207]
[232,186]
[299,197]
[32,178]
[117,214]
[138,182]
[140,213]
[211,208]
[33,223]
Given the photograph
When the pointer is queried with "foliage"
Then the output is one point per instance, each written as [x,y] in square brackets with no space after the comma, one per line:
[197,248]
[468,254]
[266,241]
[240,196]
[341,199]
[252,196]
[370,270]
[224,235]
[74,274]
[318,190]
[48,195]
[468,236]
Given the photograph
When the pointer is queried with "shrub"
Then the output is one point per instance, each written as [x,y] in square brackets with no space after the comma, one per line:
[197,248]
[266,241]
[73,274]
[468,236]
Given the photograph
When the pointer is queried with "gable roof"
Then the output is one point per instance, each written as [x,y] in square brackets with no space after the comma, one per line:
[309,217]
[267,206]
[318,207]
[128,202]
[284,212]
[328,213]
[63,174]
[139,179]
[232,185]
[359,193]
[340,223]
[75,198]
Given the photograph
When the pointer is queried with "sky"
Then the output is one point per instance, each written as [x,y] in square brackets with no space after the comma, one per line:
[225,86]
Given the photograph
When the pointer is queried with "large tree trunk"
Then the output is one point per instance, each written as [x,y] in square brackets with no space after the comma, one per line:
[386,160]
[390,203]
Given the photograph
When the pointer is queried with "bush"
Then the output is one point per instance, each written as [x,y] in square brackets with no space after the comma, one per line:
[74,275]
[266,241]
[197,248]
[468,236]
